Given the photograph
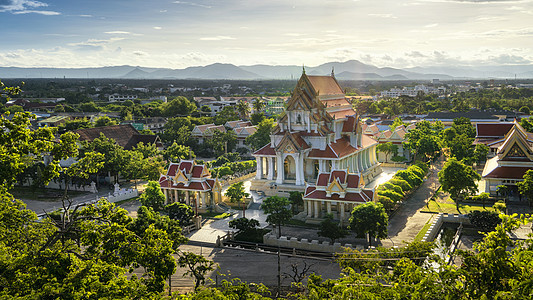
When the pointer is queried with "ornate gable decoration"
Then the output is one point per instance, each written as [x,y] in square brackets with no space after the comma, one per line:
[288,144]
[515,145]
[181,177]
[335,187]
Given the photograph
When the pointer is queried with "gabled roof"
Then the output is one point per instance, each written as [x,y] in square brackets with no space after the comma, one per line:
[325,85]
[202,128]
[266,150]
[338,185]
[292,140]
[125,135]
[492,130]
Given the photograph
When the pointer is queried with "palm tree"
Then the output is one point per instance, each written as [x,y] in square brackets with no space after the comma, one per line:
[258,105]
[243,108]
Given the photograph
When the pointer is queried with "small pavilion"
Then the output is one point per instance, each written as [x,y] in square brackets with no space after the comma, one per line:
[189,183]
[336,192]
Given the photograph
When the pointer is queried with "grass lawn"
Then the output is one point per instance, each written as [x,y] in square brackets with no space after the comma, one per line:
[450,207]
[215,215]
[42,194]
[423,231]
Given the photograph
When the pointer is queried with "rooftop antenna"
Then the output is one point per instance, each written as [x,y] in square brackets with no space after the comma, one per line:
[332,71]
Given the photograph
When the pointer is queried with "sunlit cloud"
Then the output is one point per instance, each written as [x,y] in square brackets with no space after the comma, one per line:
[192,4]
[217,38]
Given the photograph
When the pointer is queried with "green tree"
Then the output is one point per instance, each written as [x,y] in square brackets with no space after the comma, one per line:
[146,150]
[278,211]
[181,212]
[243,108]
[480,152]
[59,108]
[257,117]
[484,220]
[296,199]
[228,113]
[388,149]
[525,187]
[524,110]
[89,107]
[153,196]
[397,122]
[104,121]
[258,105]
[458,179]
[424,140]
[134,168]
[179,106]
[244,224]
[237,194]
[369,218]
[222,142]
[177,152]
[262,136]
[331,229]
[197,265]
[116,158]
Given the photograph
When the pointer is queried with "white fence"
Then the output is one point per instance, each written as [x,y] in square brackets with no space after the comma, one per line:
[122,194]
[434,229]
[304,244]
[71,187]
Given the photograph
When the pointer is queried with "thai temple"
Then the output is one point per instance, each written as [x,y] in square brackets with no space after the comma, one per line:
[319,135]
[513,154]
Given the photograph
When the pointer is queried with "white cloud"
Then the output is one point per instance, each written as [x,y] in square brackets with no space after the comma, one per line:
[192,4]
[217,38]
[19,7]
[387,16]
[432,25]
[157,28]
[117,32]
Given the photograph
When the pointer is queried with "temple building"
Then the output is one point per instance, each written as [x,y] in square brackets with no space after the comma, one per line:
[318,133]
[337,193]
[513,157]
[189,183]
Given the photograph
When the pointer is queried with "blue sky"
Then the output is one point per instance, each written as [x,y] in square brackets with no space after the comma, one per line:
[178,34]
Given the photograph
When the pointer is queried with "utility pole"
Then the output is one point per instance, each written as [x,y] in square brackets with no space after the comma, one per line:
[279,274]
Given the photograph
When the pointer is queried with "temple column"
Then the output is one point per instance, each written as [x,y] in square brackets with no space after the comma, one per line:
[365,159]
[341,217]
[187,198]
[321,166]
[165,192]
[328,207]
[299,169]
[316,209]
[259,173]
[175,196]
[309,208]
[281,170]
[204,204]
[270,175]
[333,165]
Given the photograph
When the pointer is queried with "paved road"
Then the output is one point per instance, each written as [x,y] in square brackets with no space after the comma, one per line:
[409,220]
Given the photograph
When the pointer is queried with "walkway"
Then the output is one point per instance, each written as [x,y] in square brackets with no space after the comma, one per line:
[409,220]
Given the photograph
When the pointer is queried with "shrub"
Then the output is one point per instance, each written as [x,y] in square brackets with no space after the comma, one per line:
[410,177]
[387,203]
[391,195]
[397,158]
[390,186]
[422,165]
[484,220]
[401,183]
[419,172]
[500,206]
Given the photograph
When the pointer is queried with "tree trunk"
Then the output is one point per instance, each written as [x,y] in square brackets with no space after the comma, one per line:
[279,230]
[369,240]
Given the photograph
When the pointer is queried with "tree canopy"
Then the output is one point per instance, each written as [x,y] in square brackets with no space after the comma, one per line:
[369,218]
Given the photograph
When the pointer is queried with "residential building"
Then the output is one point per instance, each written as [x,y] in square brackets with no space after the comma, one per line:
[125,135]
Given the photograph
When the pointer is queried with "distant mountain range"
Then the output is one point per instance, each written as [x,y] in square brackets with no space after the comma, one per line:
[349,70]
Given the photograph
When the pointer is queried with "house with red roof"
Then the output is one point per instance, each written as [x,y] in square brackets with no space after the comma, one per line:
[513,157]
[189,183]
[337,193]
[319,132]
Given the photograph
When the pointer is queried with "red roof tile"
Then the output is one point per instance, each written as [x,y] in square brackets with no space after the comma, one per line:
[367,141]
[340,174]
[349,124]
[508,172]
[353,181]
[197,171]
[322,179]
[494,130]
[266,150]
[325,85]
[172,169]
[186,165]
[342,147]
[327,153]
[342,113]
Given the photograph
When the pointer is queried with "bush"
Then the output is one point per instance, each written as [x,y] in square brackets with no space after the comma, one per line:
[422,165]
[398,159]
[401,183]
[419,172]
[410,177]
[390,186]
[181,212]
[387,203]
[484,220]
[391,195]
[500,206]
